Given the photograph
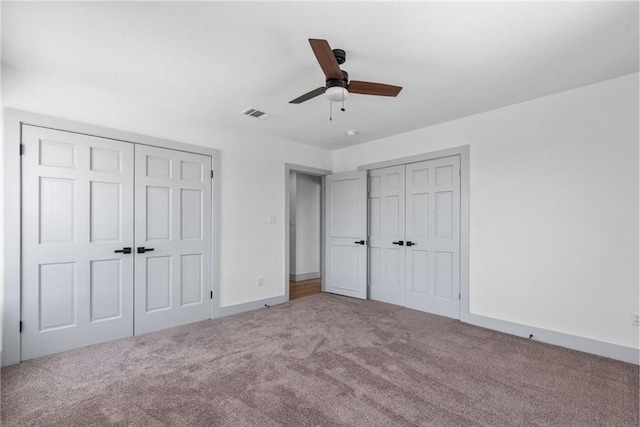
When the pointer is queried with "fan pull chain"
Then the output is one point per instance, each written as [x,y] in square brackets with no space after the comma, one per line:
[342,109]
[330,111]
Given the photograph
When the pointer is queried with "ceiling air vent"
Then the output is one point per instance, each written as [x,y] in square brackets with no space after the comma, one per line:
[252,112]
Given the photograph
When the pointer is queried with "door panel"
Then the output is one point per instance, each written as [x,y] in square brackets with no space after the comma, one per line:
[106,300]
[346,213]
[192,283]
[77,195]
[104,207]
[173,281]
[433,227]
[387,223]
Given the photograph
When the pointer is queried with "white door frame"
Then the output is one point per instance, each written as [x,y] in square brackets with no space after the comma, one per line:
[463,152]
[307,170]
[11,257]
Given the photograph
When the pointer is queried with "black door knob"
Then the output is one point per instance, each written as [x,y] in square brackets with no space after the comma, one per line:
[123,251]
[142,249]
[399,243]
[359,242]
[409,243]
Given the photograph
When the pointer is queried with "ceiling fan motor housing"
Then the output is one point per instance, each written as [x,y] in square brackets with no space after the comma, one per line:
[336,82]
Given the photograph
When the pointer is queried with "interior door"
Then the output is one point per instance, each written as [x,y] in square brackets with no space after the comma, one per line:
[433,236]
[346,234]
[386,234]
[77,207]
[173,278]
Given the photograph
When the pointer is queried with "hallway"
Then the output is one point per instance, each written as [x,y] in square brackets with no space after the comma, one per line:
[304,288]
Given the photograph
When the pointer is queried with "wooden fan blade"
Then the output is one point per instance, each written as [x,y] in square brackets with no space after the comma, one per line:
[326,58]
[307,96]
[369,88]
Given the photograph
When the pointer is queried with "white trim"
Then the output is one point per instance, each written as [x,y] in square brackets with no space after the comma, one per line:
[14,119]
[307,170]
[293,222]
[574,342]
[12,243]
[215,231]
[252,305]
[463,151]
[298,277]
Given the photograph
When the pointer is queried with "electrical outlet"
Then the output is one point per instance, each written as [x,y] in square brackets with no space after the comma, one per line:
[259,281]
[635,319]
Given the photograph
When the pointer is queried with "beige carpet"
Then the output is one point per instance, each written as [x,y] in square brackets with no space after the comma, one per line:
[322,361]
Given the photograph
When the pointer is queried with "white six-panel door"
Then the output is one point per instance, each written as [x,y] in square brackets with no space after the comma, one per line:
[346,234]
[77,194]
[386,235]
[83,279]
[173,211]
[417,204]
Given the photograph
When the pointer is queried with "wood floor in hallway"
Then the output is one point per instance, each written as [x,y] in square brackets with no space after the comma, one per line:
[304,288]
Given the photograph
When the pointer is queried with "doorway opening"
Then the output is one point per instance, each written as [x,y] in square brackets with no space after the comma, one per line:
[304,235]
[304,189]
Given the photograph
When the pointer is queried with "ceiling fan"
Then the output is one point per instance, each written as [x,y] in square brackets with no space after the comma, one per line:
[338,86]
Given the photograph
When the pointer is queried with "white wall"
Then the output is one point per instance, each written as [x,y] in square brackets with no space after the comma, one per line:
[553,207]
[251,165]
[307,224]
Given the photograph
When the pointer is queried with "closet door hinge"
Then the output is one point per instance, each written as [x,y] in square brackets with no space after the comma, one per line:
[459,296]
[20,327]
[211,294]
[211,173]
[21,149]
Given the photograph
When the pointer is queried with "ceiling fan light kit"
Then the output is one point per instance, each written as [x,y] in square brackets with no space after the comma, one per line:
[337,86]
[336,94]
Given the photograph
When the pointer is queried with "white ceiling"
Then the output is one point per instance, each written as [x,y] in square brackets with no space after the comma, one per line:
[214,59]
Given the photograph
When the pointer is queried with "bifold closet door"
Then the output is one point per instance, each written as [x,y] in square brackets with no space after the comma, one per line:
[173,238]
[433,230]
[77,213]
[386,235]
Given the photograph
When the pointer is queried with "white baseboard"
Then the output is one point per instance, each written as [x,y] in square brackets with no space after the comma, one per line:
[304,276]
[251,305]
[574,342]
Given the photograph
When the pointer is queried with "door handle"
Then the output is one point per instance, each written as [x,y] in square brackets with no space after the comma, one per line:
[123,251]
[400,243]
[411,244]
[142,249]
[359,242]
